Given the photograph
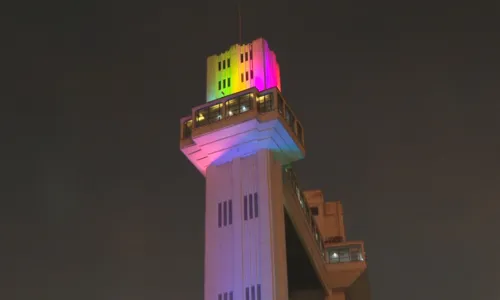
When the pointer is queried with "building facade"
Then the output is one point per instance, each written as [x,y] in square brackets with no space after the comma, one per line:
[240,68]
[263,233]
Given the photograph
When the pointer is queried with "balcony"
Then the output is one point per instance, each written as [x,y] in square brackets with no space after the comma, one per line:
[345,263]
[247,101]
[240,124]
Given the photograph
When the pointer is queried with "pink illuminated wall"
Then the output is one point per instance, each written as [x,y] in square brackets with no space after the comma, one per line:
[242,67]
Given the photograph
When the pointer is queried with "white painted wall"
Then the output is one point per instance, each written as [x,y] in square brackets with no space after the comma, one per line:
[248,252]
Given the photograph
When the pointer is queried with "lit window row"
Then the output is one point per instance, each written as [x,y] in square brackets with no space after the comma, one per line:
[222,83]
[349,253]
[265,102]
[222,64]
[226,109]
[314,210]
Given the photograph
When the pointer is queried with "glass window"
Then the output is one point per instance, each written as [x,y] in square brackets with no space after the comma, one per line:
[219,65]
[228,62]
[335,254]
[290,119]
[229,82]
[280,104]
[246,56]
[300,133]
[355,254]
[242,77]
[209,115]
[321,247]
[241,57]
[232,107]
[215,113]
[299,196]
[245,103]
[308,213]
[344,254]
[251,56]
[251,74]
[223,64]
[201,117]
[187,129]
[219,84]
[314,211]
[265,103]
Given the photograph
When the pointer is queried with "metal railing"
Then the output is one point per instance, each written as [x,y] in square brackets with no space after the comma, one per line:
[290,180]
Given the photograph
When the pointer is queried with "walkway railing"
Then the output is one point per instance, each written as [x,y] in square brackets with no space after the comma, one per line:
[334,253]
[290,181]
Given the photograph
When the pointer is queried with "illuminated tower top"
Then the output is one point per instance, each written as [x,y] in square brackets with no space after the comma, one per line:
[240,68]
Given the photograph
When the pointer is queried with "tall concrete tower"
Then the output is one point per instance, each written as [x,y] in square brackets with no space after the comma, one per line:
[243,140]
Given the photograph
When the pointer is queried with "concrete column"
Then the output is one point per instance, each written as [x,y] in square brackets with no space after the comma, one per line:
[249,251]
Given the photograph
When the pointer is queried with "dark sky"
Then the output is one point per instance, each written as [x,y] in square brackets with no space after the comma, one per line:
[399,101]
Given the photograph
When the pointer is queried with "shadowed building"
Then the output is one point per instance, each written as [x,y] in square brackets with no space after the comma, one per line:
[265,238]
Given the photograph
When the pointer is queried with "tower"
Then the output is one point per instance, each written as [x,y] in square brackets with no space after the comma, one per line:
[243,140]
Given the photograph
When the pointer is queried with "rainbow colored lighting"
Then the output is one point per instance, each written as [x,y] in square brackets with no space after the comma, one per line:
[240,68]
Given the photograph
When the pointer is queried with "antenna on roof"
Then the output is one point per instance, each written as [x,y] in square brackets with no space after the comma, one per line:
[239,20]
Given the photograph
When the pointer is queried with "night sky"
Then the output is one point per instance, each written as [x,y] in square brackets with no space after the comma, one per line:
[400,103]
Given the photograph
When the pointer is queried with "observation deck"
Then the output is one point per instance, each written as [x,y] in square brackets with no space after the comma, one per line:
[239,125]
